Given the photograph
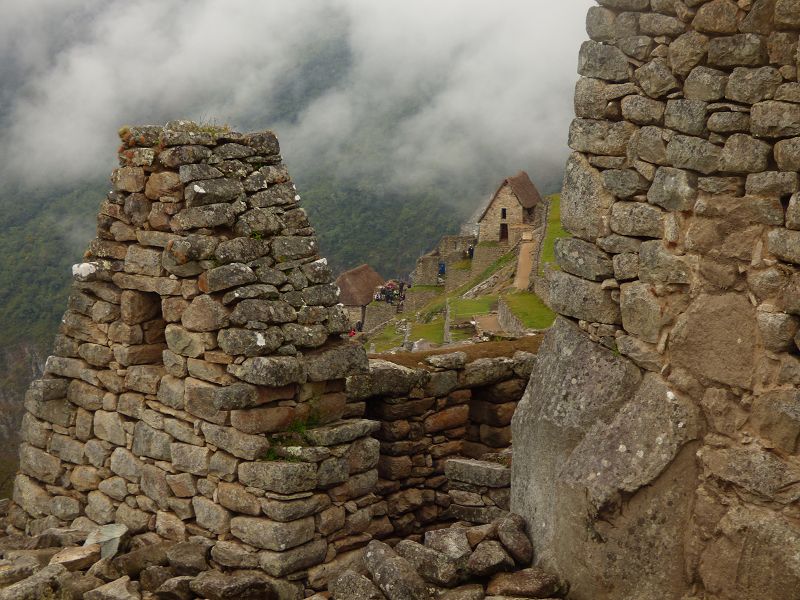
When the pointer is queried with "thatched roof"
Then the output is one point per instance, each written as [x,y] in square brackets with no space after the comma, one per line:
[358,285]
[522,187]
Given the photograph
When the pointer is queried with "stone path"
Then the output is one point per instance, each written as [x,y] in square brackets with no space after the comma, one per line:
[522,279]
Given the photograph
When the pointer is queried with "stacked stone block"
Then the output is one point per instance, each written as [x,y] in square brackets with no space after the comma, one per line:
[479,490]
[680,296]
[197,382]
[446,408]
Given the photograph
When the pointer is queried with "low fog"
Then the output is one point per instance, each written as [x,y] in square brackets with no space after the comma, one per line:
[427,91]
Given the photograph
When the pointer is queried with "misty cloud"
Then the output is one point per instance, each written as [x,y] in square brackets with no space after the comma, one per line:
[450,87]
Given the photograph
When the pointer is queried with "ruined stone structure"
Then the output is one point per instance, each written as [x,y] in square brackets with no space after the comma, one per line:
[197,383]
[656,447]
[201,395]
[451,249]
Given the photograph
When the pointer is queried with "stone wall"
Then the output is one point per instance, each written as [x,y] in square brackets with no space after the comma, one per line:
[456,278]
[450,249]
[416,297]
[656,448]
[426,271]
[484,256]
[443,409]
[197,382]
[377,313]
[491,221]
[509,322]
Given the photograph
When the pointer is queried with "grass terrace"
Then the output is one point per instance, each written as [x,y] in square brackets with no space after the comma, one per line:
[554,231]
[530,309]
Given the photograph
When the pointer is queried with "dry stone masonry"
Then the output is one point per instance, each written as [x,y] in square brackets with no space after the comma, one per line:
[433,419]
[197,386]
[203,430]
[656,447]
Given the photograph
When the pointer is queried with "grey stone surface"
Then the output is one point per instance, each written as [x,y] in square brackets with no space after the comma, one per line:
[584,200]
[394,575]
[583,259]
[603,62]
[272,535]
[673,189]
[576,297]
[637,219]
[744,154]
[698,154]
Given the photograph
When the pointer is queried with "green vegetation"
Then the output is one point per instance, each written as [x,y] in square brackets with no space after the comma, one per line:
[459,335]
[295,435]
[432,331]
[465,308]
[493,268]
[554,231]
[461,265]
[387,339]
[42,234]
[417,289]
[530,309]
[488,244]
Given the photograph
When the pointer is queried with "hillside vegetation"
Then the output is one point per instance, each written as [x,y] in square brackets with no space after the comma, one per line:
[427,324]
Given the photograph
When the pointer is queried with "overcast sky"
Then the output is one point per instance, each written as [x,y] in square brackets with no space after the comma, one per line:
[485,79]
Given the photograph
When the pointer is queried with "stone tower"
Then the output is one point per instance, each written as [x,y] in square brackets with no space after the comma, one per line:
[656,448]
[197,382]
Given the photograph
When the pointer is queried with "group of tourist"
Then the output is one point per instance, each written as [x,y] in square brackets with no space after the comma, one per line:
[392,292]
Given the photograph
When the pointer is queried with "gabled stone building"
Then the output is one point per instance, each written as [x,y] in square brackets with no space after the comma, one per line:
[513,213]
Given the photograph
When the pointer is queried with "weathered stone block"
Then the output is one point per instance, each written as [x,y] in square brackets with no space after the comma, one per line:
[775,119]
[686,52]
[687,116]
[698,154]
[726,321]
[656,79]
[785,244]
[277,476]
[585,203]
[272,535]
[583,259]
[275,371]
[750,86]
[242,445]
[745,50]
[602,62]
[600,137]
[744,154]
[582,299]
[673,189]
[637,219]
[772,183]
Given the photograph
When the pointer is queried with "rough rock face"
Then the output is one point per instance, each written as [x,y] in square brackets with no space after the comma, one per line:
[656,443]
[197,386]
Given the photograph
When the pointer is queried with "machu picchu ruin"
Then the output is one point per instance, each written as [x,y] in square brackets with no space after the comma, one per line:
[588,395]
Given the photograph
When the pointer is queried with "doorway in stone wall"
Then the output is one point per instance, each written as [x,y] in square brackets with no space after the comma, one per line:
[503,232]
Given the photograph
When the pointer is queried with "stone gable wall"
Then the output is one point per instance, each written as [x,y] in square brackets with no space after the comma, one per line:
[197,382]
[490,223]
[656,448]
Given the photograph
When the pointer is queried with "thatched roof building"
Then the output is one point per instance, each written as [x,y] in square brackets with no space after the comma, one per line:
[357,286]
